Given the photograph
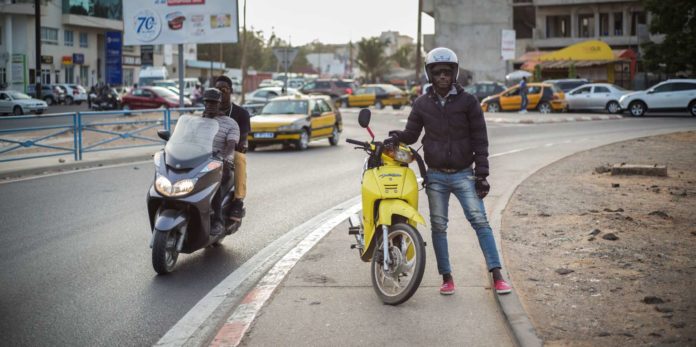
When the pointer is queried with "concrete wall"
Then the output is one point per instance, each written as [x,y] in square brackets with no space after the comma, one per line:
[472,28]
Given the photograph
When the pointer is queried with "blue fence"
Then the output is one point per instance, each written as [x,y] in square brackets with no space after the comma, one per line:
[32,137]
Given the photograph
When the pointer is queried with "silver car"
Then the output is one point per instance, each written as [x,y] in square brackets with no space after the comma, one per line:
[16,103]
[596,96]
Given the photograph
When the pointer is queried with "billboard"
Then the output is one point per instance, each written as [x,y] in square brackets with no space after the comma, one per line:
[155,22]
[114,70]
[507,45]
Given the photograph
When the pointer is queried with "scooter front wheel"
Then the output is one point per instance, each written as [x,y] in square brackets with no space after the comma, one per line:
[164,253]
[405,268]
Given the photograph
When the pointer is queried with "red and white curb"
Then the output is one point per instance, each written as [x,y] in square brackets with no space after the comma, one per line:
[240,320]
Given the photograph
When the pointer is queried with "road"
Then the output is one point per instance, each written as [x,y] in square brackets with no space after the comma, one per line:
[76,268]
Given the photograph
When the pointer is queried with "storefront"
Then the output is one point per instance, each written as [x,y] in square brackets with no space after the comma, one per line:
[593,60]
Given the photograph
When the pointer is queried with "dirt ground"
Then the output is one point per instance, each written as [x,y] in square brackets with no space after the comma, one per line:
[602,260]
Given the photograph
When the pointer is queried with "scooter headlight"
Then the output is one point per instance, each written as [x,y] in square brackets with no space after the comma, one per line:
[165,187]
[400,154]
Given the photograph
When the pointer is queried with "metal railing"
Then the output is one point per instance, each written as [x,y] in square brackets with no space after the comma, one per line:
[105,130]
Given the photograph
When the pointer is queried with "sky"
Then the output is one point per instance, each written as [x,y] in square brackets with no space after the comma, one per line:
[333,21]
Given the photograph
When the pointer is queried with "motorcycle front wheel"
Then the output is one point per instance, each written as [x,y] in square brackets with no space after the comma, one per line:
[405,270]
[164,253]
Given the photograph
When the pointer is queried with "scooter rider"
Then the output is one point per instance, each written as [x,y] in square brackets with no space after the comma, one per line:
[224,144]
[241,116]
[456,152]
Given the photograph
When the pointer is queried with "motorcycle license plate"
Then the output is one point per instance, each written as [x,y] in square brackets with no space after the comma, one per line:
[263,135]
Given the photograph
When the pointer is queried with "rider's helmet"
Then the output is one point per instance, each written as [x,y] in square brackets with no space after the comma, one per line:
[212,94]
[441,55]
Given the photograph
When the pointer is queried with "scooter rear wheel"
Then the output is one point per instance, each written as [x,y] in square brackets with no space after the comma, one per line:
[405,271]
[164,253]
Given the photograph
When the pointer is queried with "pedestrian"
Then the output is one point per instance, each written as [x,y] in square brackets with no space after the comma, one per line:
[455,147]
[523,95]
[239,114]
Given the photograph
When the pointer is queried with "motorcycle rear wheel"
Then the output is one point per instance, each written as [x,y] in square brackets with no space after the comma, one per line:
[407,255]
[164,253]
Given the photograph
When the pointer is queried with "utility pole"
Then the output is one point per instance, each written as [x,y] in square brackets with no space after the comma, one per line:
[418,42]
[243,63]
[37,39]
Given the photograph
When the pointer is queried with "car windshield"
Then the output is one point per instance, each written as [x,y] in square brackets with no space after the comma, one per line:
[19,96]
[285,107]
[164,92]
[391,88]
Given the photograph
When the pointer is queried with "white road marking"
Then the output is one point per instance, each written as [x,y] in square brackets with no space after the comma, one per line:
[72,171]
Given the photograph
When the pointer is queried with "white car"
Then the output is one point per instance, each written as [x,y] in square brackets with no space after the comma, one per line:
[16,103]
[74,94]
[271,83]
[670,95]
[596,96]
[263,95]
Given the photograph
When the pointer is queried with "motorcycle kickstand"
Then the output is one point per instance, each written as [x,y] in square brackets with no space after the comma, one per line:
[385,246]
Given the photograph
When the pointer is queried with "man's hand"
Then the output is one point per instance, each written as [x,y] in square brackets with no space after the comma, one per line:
[392,140]
[482,187]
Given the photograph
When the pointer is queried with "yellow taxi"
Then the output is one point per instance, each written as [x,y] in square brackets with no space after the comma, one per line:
[542,97]
[379,95]
[295,121]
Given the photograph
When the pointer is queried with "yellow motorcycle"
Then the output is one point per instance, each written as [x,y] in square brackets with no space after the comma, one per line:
[387,234]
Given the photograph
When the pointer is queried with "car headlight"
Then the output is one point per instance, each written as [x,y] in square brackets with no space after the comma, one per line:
[166,188]
[290,127]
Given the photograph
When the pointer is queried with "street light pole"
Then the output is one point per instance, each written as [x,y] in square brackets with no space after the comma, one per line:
[37,39]
[418,42]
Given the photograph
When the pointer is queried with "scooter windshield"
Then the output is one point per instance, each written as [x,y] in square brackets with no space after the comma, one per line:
[191,143]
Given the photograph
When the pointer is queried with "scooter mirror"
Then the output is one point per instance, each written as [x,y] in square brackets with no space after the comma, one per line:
[163,134]
[364,117]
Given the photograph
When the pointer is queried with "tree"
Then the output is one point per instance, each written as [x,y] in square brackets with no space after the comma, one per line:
[405,56]
[676,19]
[371,59]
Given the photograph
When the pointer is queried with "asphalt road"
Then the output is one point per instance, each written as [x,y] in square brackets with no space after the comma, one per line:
[76,269]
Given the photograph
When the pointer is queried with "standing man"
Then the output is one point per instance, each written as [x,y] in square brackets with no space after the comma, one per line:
[224,143]
[523,95]
[239,114]
[456,151]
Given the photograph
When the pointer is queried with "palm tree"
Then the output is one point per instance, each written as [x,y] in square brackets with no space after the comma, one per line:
[371,57]
[405,56]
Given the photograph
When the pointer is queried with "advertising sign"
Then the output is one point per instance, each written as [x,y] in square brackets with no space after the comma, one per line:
[47,59]
[507,47]
[180,21]
[19,68]
[114,45]
[78,58]
[66,60]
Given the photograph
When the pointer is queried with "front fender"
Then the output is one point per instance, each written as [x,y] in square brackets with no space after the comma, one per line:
[389,208]
[170,219]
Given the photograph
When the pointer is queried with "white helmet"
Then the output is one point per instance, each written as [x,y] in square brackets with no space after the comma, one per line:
[441,55]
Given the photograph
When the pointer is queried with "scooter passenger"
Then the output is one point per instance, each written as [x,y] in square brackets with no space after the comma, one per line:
[224,144]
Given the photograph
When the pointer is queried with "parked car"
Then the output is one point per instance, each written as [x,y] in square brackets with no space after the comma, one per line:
[263,95]
[50,93]
[334,88]
[271,83]
[379,95]
[152,97]
[296,83]
[540,96]
[595,96]
[670,95]
[568,84]
[74,94]
[16,103]
[484,89]
[295,121]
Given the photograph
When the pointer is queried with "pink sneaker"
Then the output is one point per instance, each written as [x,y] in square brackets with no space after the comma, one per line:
[502,287]
[447,287]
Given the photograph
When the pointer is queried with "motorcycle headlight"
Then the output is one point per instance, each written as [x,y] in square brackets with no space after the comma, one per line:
[401,154]
[165,187]
[290,127]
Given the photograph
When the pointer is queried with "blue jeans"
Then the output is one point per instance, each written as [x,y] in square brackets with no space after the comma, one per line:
[524,102]
[462,185]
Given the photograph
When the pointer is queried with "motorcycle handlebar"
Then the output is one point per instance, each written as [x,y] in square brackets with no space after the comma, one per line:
[356,142]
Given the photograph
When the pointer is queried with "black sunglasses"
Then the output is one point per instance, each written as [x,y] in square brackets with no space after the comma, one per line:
[446,72]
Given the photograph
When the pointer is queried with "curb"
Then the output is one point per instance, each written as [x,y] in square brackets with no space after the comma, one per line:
[73,166]
[553,120]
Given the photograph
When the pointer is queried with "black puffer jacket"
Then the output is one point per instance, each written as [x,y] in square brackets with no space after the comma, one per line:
[455,135]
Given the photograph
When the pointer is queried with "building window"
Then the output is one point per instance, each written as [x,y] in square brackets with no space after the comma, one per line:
[68,38]
[637,18]
[109,9]
[69,74]
[618,23]
[84,76]
[49,36]
[557,26]
[45,76]
[84,42]
[586,25]
[129,49]
[603,24]
[3,76]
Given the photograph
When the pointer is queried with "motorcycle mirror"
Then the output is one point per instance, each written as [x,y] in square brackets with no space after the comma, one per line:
[364,117]
[164,134]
